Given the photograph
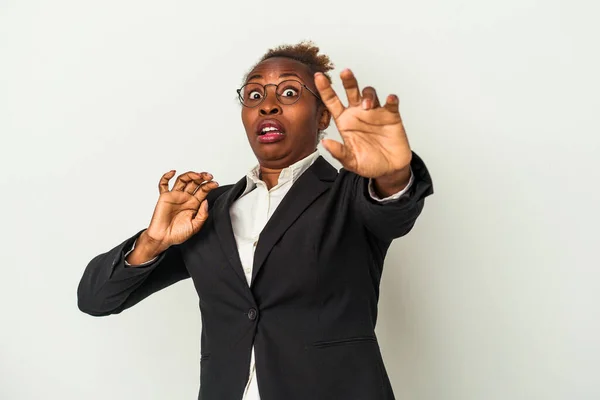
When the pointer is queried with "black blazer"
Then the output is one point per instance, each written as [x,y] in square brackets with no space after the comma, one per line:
[311,308]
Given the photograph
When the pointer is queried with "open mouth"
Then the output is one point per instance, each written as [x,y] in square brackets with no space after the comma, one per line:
[270,131]
[270,127]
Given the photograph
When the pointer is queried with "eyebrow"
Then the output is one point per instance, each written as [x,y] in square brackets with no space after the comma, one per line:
[290,74]
[284,75]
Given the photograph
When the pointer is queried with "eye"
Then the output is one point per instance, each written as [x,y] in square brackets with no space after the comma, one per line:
[289,92]
[254,95]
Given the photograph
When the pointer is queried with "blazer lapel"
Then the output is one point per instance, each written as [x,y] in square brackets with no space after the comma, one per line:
[311,184]
[224,230]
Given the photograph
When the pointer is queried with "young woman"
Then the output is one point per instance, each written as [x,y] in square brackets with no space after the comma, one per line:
[286,262]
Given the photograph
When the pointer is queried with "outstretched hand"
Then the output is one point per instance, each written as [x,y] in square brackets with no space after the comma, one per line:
[375,144]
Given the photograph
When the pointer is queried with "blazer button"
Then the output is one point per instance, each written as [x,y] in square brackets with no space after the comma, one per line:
[252,314]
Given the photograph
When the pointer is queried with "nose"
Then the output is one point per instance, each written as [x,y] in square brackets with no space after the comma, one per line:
[270,110]
[270,105]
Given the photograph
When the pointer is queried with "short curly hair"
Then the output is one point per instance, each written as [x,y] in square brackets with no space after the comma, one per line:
[305,52]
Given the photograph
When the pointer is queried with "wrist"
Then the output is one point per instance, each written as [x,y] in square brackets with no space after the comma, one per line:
[146,248]
[392,183]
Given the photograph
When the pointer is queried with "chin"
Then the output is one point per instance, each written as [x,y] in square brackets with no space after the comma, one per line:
[272,153]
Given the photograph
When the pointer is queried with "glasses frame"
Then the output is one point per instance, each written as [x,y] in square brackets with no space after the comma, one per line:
[302,85]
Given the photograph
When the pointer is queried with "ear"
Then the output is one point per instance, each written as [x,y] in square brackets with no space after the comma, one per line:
[324,118]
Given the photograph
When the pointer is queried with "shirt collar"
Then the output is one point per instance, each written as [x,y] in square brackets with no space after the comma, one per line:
[291,173]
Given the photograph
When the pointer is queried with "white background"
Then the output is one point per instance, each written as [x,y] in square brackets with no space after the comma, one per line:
[493,296]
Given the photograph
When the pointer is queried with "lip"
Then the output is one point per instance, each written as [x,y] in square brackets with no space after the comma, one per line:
[270,137]
[273,123]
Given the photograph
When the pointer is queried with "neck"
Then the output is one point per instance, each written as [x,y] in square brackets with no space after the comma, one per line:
[270,176]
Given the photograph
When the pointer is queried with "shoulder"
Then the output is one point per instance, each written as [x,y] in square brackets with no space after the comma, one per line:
[216,193]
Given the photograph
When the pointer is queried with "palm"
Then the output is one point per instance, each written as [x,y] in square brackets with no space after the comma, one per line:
[180,212]
[175,214]
[375,142]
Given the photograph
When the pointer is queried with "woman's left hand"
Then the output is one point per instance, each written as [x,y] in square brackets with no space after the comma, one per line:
[375,143]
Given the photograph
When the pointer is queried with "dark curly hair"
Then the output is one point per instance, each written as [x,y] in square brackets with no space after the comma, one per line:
[305,52]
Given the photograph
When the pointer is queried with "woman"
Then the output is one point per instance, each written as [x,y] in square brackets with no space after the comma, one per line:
[286,262]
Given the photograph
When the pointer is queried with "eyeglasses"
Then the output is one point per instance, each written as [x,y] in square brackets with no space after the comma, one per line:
[287,92]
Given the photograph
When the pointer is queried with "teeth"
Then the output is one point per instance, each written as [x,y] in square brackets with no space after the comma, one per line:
[270,129]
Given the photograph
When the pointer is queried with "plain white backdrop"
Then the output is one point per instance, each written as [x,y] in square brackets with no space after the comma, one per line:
[494,295]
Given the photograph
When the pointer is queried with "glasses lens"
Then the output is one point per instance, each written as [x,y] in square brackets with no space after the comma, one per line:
[251,94]
[289,92]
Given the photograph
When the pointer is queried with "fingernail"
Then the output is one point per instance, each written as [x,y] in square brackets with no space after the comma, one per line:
[365,104]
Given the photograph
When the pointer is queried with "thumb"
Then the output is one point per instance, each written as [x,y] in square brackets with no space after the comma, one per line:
[337,149]
[201,216]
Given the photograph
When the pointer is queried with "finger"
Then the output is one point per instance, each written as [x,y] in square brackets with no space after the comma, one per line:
[197,180]
[351,85]
[330,99]
[163,184]
[337,149]
[392,104]
[181,181]
[192,186]
[370,99]
[203,190]
[184,179]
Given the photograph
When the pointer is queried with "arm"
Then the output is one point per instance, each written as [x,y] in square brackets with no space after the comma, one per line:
[375,146]
[392,193]
[393,219]
[109,285]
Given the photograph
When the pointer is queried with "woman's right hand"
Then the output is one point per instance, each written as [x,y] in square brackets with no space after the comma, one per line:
[179,214]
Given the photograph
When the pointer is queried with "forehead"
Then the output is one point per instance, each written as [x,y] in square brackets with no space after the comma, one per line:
[275,68]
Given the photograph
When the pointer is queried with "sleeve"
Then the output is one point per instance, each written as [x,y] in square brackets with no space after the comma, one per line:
[393,219]
[393,197]
[108,286]
[140,265]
